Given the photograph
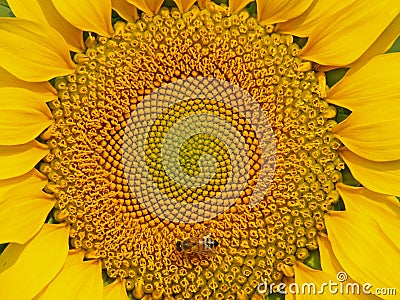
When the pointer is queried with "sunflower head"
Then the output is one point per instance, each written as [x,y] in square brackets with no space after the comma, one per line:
[147,150]
[189,151]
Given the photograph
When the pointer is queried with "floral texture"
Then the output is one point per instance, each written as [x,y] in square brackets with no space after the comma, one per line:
[194,149]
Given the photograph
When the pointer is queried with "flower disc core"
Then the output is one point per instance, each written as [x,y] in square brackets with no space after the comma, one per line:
[87,174]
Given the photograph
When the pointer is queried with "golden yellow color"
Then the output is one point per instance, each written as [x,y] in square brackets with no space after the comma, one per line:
[61,146]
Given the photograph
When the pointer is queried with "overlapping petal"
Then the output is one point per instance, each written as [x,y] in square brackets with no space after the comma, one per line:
[125,10]
[26,269]
[367,83]
[277,11]
[384,41]
[83,279]
[336,41]
[150,7]
[357,241]
[24,116]
[115,290]
[31,177]
[87,15]
[331,265]
[184,5]
[23,210]
[372,131]
[43,90]
[310,283]
[384,209]
[19,159]
[381,177]
[28,50]
[304,24]
[43,11]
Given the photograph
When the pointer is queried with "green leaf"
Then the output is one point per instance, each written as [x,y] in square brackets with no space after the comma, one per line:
[5,10]
[395,47]
[313,261]
[334,76]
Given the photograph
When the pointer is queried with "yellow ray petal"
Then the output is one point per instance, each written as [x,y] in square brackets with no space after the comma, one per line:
[24,116]
[17,160]
[329,262]
[331,265]
[384,209]
[115,290]
[372,131]
[184,5]
[384,41]
[237,5]
[23,210]
[150,7]
[363,249]
[83,279]
[312,284]
[381,177]
[202,3]
[304,24]
[277,11]
[125,10]
[44,90]
[33,52]
[26,269]
[44,11]
[368,83]
[33,177]
[87,15]
[337,42]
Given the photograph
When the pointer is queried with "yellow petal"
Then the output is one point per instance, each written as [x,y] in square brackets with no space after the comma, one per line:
[33,52]
[329,262]
[150,7]
[87,15]
[304,24]
[310,283]
[381,177]
[23,211]
[26,269]
[24,116]
[337,42]
[372,131]
[83,279]
[125,10]
[41,11]
[331,265]
[363,249]
[277,11]
[44,90]
[115,290]
[368,83]
[384,209]
[18,160]
[33,177]
[384,41]
[184,5]
[202,3]
[237,5]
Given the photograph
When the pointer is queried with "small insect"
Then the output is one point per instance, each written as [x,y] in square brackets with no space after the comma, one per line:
[201,245]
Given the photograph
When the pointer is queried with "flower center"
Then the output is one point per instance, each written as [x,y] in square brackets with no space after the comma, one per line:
[88,175]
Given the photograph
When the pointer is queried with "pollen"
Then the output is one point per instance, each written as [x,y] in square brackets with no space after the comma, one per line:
[88,177]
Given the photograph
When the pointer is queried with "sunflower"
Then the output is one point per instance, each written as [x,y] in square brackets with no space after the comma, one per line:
[195,149]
